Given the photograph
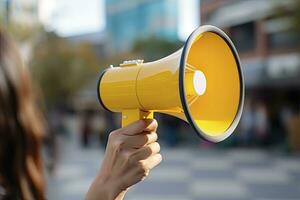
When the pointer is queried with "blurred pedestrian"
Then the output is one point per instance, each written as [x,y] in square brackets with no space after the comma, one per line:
[285,117]
[171,130]
[86,129]
[131,152]
[110,124]
[98,124]
[247,125]
[53,142]
[261,124]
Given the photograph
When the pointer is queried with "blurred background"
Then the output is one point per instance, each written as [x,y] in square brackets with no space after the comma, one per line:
[67,43]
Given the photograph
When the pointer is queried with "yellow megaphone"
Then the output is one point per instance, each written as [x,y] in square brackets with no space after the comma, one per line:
[202,83]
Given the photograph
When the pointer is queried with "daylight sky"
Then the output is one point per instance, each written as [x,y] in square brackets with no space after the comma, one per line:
[71,17]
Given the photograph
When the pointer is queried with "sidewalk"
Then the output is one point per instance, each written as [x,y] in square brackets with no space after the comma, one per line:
[188,174]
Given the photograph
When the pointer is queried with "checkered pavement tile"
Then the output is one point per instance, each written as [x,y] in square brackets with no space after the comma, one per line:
[157,197]
[274,191]
[219,189]
[189,174]
[263,176]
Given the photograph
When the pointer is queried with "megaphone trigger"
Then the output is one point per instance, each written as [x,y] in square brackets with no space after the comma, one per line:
[129,116]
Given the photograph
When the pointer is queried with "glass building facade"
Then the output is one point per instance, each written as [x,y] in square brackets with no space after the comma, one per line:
[21,11]
[130,20]
[3,11]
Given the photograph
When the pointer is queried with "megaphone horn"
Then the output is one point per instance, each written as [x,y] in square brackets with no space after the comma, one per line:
[202,83]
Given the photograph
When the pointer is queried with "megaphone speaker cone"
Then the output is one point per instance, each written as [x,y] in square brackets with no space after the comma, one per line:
[215,107]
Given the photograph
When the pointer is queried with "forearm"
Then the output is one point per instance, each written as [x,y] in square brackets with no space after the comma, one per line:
[101,190]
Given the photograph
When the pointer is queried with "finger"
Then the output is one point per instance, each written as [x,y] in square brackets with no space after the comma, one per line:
[146,152]
[141,140]
[135,127]
[152,125]
[153,161]
[135,175]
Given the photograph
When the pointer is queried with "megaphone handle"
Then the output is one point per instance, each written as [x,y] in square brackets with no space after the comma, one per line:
[129,116]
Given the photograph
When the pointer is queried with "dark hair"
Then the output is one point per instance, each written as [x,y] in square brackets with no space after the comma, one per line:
[21,129]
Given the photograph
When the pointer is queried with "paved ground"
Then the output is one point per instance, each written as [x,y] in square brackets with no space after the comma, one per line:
[188,174]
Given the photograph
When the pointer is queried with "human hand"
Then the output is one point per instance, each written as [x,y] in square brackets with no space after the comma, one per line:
[131,153]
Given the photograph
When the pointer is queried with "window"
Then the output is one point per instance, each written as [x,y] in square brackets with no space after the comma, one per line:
[244,37]
[282,40]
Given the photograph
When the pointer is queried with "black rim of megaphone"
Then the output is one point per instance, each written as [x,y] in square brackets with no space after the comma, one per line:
[188,43]
[98,90]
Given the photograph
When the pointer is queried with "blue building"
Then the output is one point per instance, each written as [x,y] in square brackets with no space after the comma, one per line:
[129,20]
[3,11]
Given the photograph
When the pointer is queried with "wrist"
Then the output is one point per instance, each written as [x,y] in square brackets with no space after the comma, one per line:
[113,190]
[105,189]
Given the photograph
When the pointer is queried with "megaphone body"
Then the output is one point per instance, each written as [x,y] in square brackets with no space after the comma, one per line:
[201,83]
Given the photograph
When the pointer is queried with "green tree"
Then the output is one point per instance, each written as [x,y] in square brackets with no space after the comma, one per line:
[296,20]
[154,48]
[61,68]
[293,14]
[21,32]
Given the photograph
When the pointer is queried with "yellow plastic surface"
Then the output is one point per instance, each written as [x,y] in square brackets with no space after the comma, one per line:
[157,84]
[214,111]
[129,116]
[150,86]
[118,88]
[137,90]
